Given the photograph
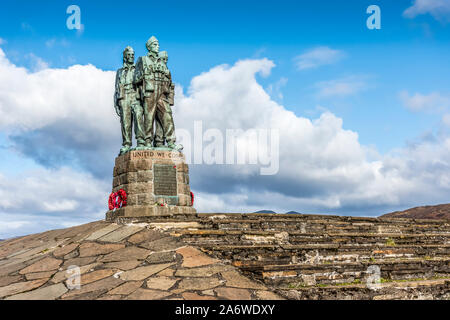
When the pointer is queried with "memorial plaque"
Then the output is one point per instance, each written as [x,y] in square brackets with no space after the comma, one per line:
[165,180]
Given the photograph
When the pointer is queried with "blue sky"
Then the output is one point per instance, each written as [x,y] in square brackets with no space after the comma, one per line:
[390,86]
[202,34]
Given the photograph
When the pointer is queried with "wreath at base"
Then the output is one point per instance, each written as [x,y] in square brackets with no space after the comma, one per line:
[117,199]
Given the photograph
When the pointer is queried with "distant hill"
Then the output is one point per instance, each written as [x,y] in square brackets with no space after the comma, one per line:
[270,211]
[441,211]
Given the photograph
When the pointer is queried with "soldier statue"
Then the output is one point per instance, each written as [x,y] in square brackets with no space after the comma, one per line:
[127,105]
[167,101]
[153,79]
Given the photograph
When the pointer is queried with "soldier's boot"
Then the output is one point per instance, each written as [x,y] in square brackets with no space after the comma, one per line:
[124,149]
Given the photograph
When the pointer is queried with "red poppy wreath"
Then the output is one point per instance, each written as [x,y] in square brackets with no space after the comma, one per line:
[117,199]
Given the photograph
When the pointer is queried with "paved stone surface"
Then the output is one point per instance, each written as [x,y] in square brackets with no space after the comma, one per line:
[104,231]
[94,249]
[39,275]
[142,273]
[14,266]
[145,235]
[20,287]
[169,272]
[234,279]
[123,265]
[164,244]
[110,297]
[63,274]
[147,294]
[283,250]
[202,271]
[79,261]
[161,257]
[126,288]
[4,281]
[127,253]
[195,296]
[267,295]
[96,275]
[199,283]
[64,250]
[233,293]
[161,283]
[192,257]
[46,264]
[120,234]
[46,247]
[96,288]
[48,293]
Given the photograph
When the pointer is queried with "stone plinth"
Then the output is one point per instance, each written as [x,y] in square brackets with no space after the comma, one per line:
[156,183]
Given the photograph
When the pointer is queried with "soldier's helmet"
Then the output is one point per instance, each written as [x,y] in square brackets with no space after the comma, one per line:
[150,41]
[126,50]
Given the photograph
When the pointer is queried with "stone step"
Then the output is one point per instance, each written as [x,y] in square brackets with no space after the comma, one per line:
[307,224]
[419,289]
[205,236]
[320,228]
[230,217]
[311,224]
[318,217]
[304,273]
[316,253]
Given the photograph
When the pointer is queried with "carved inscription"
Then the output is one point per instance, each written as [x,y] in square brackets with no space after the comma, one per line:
[165,179]
[149,154]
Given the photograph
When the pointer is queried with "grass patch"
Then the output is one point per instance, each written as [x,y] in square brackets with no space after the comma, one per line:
[390,242]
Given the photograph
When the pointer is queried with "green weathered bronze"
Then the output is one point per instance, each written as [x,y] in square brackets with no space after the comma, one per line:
[167,101]
[127,104]
[154,84]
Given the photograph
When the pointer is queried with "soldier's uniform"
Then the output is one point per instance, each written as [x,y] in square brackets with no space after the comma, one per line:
[167,101]
[127,102]
[154,92]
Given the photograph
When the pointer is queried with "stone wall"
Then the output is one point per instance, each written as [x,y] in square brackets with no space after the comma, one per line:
[330,257]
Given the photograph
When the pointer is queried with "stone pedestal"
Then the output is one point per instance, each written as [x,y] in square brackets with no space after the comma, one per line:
[156,183]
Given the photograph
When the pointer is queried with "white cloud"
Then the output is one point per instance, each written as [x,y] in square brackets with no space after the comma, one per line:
[274,89]
[439,9]
[64,119]
[318,57]
[40,199]
[2,41]
[341,87]
[47,190]
[37,63]
[433,102]
[30,101]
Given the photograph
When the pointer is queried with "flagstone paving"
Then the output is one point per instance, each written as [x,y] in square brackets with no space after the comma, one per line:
[118,262]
